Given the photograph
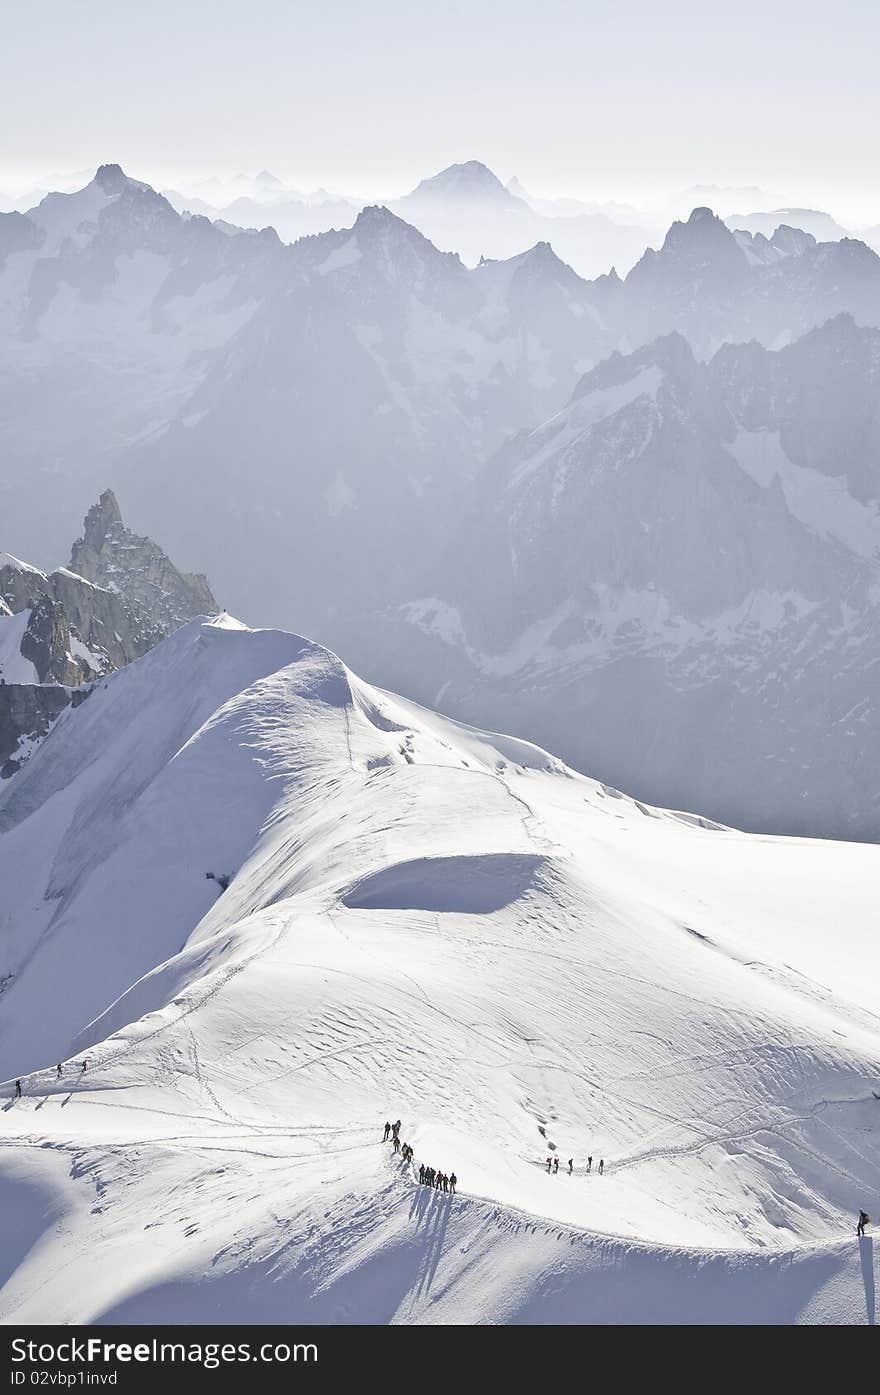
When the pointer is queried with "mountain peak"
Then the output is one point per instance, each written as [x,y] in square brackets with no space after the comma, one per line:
[376,224]
[791,240]
[110,555]
[704,243]
[376,215]
[100,518]
[670,353]
[542,258]
[701,227]
[111,178]
[470,180]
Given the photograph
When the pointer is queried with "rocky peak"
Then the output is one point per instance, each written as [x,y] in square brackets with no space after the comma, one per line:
[704,243]
[21,585]
[375,219]
[792,241]
[542,257]
[159,597]
[400,255]
[47,644]
[111,178]
[119,597]
[671,354]
[377,225]
[703,236]
[99,520]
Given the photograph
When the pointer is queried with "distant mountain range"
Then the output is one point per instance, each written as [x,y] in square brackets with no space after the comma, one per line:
[463,208]
[325,428]
[675,581]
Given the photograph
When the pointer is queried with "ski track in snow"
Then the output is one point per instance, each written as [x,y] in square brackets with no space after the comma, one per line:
[440,923]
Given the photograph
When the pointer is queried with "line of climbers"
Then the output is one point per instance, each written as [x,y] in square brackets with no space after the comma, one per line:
[59,1071]
[440,1181]
[428,1176]
[553,1165]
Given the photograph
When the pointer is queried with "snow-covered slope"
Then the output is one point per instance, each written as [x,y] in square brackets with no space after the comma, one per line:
[428,922]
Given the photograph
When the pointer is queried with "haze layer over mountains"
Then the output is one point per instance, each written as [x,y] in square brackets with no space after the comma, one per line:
[530,499]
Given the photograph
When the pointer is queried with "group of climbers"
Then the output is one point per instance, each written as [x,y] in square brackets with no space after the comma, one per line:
[440,1181]
[553,1165]
[432,1177]
[59,1071]
[428,1176]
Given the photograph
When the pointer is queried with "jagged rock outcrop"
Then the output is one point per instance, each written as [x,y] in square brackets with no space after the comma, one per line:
[62,631]
[27,711]
[21,585]
[676,582]
[47,644]
[102,620]
[159,597]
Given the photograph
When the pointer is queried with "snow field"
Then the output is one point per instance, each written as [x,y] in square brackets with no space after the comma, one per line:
[431,922]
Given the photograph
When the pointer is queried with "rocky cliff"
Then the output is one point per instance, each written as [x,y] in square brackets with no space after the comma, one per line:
[158,597]
[61,631]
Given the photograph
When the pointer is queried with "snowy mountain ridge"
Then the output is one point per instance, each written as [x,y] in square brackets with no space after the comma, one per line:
[426,921]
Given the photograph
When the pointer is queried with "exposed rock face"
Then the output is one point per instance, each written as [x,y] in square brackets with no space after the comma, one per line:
[676,583]
[60,632]
[101,619]
[47,643]
[27,711]
[158,597]
[21,585]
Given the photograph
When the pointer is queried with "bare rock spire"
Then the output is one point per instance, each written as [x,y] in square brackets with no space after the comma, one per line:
[159,597]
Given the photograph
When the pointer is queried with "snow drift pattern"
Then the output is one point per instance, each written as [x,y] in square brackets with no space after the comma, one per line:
[427,922]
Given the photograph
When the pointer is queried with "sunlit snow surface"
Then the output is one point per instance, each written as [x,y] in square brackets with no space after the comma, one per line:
[430,923]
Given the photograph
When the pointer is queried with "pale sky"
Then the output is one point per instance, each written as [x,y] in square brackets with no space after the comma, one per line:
[626,99]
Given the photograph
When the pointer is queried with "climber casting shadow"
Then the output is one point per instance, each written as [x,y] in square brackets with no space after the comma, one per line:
[866,1250]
